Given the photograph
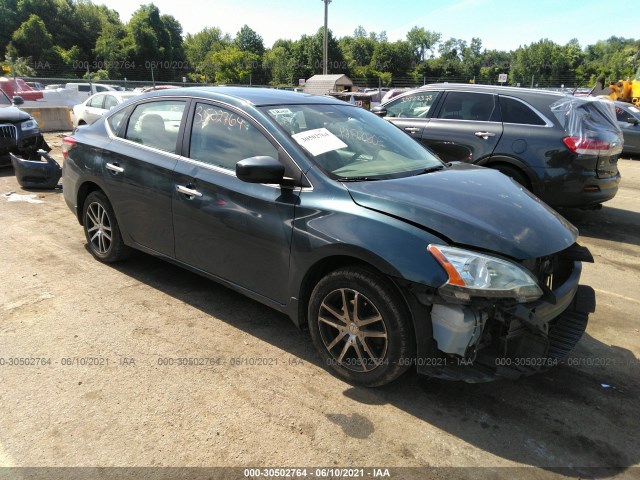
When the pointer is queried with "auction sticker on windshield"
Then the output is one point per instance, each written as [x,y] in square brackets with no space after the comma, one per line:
[318,141]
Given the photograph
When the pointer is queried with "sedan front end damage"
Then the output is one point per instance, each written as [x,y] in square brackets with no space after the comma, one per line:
[510,330]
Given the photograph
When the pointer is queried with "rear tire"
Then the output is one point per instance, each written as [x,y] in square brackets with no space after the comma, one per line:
[361,327]
[101,229]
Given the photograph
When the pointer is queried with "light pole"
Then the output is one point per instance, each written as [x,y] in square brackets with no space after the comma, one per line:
[325,46]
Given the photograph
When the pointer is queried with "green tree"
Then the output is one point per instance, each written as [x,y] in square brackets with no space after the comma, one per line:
[231,65]
[32,39]
[9,21]
[422,42]
[276,64]
[197,48]
[357,51]
[20,65]
[248,40]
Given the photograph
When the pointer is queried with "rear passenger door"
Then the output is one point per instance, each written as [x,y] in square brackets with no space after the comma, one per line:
[138,171]
[467,127]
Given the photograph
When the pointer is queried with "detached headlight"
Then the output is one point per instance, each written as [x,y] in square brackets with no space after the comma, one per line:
[475,274]
[29,125]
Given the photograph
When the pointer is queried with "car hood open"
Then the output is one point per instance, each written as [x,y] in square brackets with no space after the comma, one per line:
[472,206]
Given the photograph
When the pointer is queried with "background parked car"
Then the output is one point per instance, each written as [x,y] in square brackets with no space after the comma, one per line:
[628,117]
[95,106]
[19,131]
[36,85]
[562,148]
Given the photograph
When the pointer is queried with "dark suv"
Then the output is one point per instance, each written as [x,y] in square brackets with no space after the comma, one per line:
[564,149]
[19,132]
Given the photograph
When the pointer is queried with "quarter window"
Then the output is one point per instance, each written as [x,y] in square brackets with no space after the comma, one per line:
[222,138]
[156,124]
[479,107]
[115,120]
[514,111]
[416,105]
[109,102]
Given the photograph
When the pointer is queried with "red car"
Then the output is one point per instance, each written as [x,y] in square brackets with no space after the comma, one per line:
[19,87]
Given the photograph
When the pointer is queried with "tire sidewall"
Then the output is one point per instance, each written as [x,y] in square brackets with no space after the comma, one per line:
[116,248]
[395,317]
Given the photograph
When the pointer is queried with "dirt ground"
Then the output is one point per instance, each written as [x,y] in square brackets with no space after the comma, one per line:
[102,390]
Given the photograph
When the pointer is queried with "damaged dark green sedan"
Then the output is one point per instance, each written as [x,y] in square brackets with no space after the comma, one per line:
[325,212]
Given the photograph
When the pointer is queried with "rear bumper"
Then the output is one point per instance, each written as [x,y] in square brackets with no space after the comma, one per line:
[583,191]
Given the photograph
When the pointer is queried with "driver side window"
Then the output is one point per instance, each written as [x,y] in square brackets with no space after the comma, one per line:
[222,138]
[416,105]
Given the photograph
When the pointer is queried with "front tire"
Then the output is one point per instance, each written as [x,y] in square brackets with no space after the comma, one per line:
[361,327]
[101,229]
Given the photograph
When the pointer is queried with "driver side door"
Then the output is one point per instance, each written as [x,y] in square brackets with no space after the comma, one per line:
[237,231]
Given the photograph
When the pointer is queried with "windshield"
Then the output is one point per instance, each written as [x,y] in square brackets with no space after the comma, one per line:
[349,143]
[4,100]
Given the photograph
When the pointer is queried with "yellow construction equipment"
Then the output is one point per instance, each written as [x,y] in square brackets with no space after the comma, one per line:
[623,90]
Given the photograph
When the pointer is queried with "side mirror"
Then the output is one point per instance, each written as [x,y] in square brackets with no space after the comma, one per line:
[17,100]
[260,170]
[632,120]
[379,110]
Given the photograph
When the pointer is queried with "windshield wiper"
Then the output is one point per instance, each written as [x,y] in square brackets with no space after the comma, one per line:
[358,179]
[430,169]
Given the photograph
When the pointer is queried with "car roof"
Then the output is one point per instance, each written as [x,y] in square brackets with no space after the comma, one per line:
[254,96]
[492,89]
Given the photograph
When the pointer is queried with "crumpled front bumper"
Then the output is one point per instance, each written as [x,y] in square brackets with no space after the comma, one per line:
[534,336]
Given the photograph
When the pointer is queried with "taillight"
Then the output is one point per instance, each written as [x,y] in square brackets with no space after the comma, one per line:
[67,144]
[588,146]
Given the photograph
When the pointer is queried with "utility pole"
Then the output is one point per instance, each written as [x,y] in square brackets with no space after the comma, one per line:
[325,49]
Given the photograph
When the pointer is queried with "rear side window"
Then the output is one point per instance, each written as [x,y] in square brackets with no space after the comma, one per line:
[416,105]
[97,101]
[222,138]
[83,88]
[156,124]
[479,107]
[514,111]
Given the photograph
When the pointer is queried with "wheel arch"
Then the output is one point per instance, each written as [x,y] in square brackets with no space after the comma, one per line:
[496,161]
[83,192]
[328,264]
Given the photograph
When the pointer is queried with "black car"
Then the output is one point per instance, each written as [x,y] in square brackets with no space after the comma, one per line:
[628,116]
[562,148]
[19,132]
[327,213]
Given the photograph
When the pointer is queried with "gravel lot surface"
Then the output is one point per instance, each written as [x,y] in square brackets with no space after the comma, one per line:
[108,398]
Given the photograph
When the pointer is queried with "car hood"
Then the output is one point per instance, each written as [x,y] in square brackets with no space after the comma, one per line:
[472,206]
[13,114]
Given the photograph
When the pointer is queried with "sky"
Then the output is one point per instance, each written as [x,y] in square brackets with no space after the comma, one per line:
[500,24]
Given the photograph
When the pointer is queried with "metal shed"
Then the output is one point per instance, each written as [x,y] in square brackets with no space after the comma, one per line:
[323,84]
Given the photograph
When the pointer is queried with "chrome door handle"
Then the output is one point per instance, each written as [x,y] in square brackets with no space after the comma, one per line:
[484,135]
[412,129]
[188,191]
[114,168]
